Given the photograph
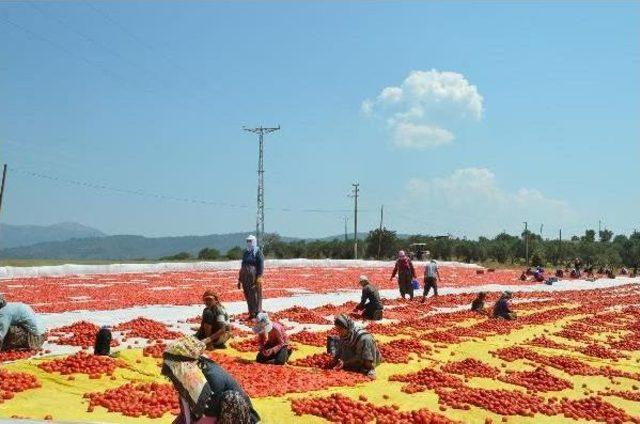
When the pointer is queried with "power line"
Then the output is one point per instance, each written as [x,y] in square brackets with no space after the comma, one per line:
[144,193]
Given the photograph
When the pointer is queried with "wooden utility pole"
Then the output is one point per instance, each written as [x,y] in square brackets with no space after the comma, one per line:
[380,231]
[356,192]
[4,178]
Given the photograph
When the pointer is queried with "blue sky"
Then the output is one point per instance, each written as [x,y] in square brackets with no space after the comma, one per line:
[494,114]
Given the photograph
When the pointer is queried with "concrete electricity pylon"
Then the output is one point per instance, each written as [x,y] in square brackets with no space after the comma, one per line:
[261,131]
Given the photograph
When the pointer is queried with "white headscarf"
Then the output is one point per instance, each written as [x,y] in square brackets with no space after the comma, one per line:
[254,243]
[263,323]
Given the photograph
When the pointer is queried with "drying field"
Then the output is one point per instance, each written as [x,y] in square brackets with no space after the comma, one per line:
[572,356]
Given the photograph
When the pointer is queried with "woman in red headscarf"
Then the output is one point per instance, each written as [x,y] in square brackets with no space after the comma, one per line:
[406,273]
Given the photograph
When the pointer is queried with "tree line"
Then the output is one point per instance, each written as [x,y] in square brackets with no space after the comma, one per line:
[602,249]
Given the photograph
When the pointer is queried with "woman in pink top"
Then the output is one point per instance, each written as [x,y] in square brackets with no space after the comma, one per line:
[273,341]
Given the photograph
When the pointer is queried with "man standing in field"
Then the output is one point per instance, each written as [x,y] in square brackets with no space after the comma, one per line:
[431,277]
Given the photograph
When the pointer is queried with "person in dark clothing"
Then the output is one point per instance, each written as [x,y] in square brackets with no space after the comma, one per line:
[370,304]
[406,273]
[501,309]
[577,265]
[559,273]
[478,303]
[102,346]
[538,275]
[215,321]
[273,341]
[250,278]
[204,388]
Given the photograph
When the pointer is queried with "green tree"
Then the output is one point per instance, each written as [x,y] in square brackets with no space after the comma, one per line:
[208,254]
[234,253]
[605,236]
[177,257]
[388,241]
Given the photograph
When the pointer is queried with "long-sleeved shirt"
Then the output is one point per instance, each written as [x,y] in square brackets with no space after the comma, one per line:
[370,294]
[274,341]
[501,308]
[220,381]
[22,315]
[254,258]
[403,265]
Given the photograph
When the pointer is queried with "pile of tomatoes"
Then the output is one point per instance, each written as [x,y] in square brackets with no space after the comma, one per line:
[147,329]
[471,368]
[503,402]
[399,351]
[83,363]
[426,378]
[148,399]
[338,408]
[14,355]
[594,408]
[539,380]
[542,341]
[81,333]
[318,360]
[154,350]
[301,315]
[312,338]
[598,351]
[15,382]
[249,344]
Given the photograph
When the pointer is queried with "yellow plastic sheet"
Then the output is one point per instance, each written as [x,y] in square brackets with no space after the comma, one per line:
[64,400]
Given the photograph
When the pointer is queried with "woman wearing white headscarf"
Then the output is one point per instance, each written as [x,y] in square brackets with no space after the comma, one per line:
[250,277]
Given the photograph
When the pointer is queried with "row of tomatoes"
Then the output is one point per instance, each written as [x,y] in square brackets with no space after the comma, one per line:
[83,363]
[135,400]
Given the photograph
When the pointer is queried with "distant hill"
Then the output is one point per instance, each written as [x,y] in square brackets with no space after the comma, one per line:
[122,247]
[26,235]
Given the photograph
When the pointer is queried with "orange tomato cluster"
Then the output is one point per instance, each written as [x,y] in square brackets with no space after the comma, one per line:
[503,402]
[147,329]
[149,399]
[14,355]
[83,363]
[539,380]
[338,408]
[301,315]
[15,382]
[594,408]
[399,351]
[154,350]
[246,345]
[471,368]
[312,338]
[426,378]
[81,333]
[317,360]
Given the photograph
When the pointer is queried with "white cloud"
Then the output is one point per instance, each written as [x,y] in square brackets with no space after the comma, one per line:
[406,134]
[470,201]
[423,104]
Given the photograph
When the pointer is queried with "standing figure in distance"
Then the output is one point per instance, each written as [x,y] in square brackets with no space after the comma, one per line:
[250,277]
[406,273]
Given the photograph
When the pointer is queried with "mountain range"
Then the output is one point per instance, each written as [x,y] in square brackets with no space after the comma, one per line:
[79,242]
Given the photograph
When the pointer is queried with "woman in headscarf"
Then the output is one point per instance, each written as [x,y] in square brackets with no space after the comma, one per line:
[250,277]
[215,321]
[355,350]
[406,273]
[273,341]
[204,388]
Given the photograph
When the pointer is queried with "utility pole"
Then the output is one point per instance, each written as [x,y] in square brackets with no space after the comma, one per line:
[345,229]
[4,178]
[261,131]
[526,241]
[356,192]
[541,226]
[380,232]
[560,247]
[599,227]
